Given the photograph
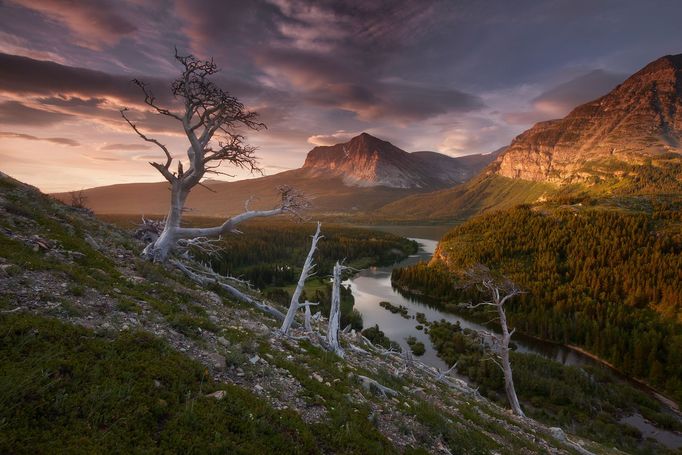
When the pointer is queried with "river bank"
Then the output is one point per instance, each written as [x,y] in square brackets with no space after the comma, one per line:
[373,285]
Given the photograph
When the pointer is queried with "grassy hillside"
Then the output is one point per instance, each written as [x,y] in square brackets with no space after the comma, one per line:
[601,179]
[104,353]
[482,194]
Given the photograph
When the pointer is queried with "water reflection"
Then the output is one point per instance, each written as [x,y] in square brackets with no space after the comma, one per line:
[373,285]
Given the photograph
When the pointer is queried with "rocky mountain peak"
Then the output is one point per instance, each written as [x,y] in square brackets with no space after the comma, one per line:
[640,118]
[367,161]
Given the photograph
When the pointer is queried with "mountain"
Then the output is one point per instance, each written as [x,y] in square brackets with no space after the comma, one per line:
[368,161]
[626,142]
[360,175]
[641,118]
[102,352]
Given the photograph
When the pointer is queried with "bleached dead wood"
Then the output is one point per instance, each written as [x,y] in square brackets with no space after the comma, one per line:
[306,272]
[210,119]
[372,385]
[501,290]
[205,278]
[335,312]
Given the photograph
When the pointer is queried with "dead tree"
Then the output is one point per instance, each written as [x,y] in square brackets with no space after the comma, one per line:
[500,290]
[335,312]
[308,270]
[210,118]
[78,199]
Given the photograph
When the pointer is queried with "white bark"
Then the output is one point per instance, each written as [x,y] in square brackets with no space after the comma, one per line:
[501,291]
[295,305]
[308,325]
[371,385]
[506,364]
[210,118]
[214,278]
[335,312]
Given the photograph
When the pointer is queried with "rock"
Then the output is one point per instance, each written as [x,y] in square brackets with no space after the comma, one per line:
[157,383]
[254,359]
[135,279]
[623,126]
[213,297]
[218,395]
[558,433]
[317,377]
[258,388]
[223,341]
[217,361]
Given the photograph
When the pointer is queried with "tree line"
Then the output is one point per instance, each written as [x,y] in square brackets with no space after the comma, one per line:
[608,281]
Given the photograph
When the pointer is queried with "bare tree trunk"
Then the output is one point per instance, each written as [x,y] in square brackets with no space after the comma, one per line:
[305,274]
[506,364]
[159,249]
[335,312]
[308,325]
[501,290]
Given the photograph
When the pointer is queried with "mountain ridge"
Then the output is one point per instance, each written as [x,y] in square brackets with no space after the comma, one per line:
[377,174]
[626,143]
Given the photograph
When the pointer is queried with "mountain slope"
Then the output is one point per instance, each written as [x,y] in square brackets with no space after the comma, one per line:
[368,161]
[624,143]
[360,175]
[103,352]
[639,119]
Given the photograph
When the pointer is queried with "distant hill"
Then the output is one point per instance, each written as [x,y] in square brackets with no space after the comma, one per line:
[360,175]
[367,161]
[625,143]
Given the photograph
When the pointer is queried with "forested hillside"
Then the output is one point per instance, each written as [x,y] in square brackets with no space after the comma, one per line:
[606,279]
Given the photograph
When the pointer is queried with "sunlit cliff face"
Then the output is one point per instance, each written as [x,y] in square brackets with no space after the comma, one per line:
[455,78]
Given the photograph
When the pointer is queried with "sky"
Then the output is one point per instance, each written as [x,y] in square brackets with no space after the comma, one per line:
[457,77]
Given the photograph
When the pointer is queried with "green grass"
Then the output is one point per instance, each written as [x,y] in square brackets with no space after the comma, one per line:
[66,389]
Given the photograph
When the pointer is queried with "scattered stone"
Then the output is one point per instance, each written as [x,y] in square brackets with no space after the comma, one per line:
[317,377]
[218,395]
[223,341]
[558,433]
[254,359]
[217,361]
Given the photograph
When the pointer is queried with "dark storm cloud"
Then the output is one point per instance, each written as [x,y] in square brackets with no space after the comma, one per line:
[23,75]
[29,137]
[16,113]
[460,76]
[94,24]
[332,54]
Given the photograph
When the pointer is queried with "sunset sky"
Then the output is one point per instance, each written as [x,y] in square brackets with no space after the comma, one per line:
[458,77]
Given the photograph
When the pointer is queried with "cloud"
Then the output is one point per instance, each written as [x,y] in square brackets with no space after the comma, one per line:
[94,24]
[28,137]
[126,147]
[331,139]
[16,113]
[23,75]
[564,97]
[558,101]
[324,81]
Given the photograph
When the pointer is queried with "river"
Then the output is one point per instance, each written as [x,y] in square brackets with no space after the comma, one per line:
[373,285]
